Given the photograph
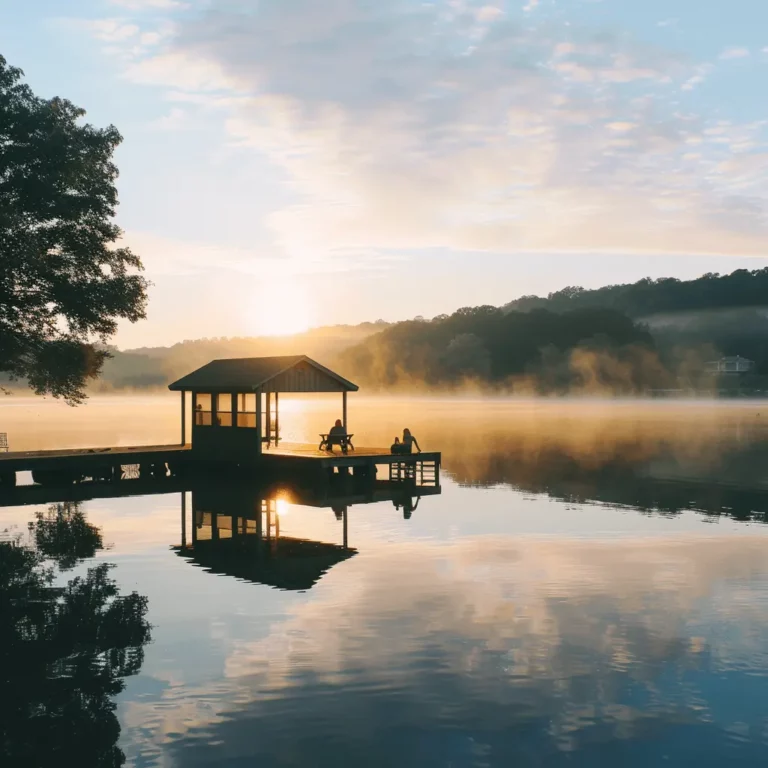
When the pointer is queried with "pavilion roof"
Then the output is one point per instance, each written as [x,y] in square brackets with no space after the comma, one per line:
[276,374]
[293,564]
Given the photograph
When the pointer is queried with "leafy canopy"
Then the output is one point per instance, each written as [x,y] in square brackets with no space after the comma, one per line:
[63,284]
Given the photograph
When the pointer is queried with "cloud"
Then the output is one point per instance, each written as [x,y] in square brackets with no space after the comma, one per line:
[143,5]
[112,30]
[489,13]
[735,53]
[176,120]
[403,126]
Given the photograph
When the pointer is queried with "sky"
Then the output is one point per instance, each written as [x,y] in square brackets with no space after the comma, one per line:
[292,163]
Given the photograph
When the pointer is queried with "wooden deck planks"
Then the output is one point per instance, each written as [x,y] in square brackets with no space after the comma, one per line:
[72,458]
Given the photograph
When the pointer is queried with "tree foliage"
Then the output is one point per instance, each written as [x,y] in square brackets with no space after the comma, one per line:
[494,346]
[742,288]
[65,649]
[63,283]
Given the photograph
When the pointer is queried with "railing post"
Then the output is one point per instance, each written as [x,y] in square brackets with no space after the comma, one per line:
[277,419]
[258,423]
[183,417]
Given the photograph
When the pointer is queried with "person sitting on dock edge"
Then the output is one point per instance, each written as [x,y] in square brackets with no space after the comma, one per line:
[409,441]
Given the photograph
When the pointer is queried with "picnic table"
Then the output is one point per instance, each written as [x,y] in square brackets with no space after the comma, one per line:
[327,441]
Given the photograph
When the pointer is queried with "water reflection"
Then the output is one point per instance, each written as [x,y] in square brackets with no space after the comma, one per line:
[65,646]
[322,633]
[504,652]
[235,528]
[668,468]
[62,534]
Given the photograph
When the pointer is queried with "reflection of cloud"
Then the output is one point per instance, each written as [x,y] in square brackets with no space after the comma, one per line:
[533,645]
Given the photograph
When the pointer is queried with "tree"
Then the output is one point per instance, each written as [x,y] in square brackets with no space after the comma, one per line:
[66,648]
[466,355]
[63,283]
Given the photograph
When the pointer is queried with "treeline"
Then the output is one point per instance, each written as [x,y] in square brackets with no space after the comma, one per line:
[742,288]
[148,368]
[151,367]
[537,352]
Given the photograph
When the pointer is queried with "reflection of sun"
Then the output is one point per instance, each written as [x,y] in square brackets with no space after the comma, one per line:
[278,309]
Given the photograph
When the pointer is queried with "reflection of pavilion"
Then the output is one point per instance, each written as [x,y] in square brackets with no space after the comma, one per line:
[235,530]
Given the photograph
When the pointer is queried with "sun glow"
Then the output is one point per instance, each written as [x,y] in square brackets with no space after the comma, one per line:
[280,309]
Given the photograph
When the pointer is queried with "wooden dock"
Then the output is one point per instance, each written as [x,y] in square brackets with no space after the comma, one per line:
[115,463]
[79,458]
[235,426]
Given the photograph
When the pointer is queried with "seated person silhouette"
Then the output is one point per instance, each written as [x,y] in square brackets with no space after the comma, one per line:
[396,447]
[337,436]
[409,441]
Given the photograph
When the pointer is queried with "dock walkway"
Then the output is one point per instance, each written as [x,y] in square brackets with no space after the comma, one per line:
[55,466]
[79,458]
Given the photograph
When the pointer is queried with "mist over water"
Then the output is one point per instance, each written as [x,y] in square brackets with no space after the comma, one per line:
[590,588]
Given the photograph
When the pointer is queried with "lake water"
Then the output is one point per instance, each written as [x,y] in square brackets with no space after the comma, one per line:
[589,588]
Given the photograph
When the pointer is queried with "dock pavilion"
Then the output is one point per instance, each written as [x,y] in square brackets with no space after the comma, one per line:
[236,402]
[235,413]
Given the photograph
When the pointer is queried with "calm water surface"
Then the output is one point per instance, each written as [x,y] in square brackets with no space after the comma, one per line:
[589,588]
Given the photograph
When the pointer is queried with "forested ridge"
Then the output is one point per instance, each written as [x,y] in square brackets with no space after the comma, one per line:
[742,288]
[653,334]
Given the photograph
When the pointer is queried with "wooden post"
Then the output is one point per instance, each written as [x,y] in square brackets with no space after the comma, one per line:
[183,519]
[277,418]
[183,417]
[258,423]
[344,410]
[268,397]
[344,514]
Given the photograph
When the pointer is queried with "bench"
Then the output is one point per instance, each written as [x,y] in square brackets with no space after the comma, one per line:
[327,442]
[4,442]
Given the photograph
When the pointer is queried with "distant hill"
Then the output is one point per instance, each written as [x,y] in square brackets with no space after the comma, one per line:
[652,334]
[536,352]
[148,367]
[646,297]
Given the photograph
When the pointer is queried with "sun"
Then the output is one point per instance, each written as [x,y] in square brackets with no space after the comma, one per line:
[280,309]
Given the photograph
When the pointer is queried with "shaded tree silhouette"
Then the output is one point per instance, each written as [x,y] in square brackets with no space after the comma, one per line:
[64,650]
[63,534]
[62,283]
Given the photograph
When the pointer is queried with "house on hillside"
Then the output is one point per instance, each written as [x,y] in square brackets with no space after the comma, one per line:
[734,365]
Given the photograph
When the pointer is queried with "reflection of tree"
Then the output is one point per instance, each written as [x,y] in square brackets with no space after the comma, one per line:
[63,535]
[64,650]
